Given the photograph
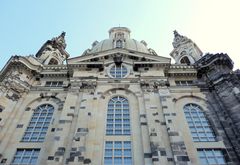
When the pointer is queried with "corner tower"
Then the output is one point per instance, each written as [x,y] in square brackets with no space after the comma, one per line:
[185,50]
[53,51]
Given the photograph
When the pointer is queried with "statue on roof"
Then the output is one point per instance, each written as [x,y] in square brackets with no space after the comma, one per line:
[60,40]
[178,39]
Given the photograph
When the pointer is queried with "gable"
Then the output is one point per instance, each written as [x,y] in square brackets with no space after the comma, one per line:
[127,56]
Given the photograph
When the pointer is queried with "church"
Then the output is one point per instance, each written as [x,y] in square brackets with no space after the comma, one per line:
[120,103]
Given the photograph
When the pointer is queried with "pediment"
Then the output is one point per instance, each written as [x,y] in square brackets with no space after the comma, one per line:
[127,56]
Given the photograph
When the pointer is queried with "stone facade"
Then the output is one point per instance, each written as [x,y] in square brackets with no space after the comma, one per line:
[156,98]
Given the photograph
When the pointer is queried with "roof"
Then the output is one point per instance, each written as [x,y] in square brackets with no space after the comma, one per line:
[116,34]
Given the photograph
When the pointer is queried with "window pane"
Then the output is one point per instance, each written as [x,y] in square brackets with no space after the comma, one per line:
[118,71]
[26,156]
[118,154]
[198,123]
[211,156]
[41,117]
[118,118]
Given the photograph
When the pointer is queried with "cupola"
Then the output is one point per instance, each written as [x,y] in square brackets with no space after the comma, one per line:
[185,50]
[53,51]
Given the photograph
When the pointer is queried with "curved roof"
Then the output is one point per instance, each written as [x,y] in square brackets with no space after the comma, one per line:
[115,34]
[130,44]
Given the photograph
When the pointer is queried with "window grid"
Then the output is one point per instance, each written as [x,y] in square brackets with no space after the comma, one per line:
[184,83]
[118,153]
[25,157]
[118,71]
[38,126]
[54,84]
[211,157]
[118,117]
[198,124]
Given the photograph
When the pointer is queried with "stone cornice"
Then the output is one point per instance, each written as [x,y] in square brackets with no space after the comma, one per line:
[22,62]
[181,70]
[211,59]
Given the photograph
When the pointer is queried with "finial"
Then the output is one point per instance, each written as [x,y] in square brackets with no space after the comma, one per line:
[63,34]
[60,40]
[178,39]
[176,33]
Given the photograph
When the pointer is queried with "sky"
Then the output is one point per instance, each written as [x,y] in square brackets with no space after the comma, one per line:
[214,25]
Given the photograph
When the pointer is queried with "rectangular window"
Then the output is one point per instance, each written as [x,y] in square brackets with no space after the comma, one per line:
[118,152]
[184,83]
[25,156]
[54,84]
[211,157]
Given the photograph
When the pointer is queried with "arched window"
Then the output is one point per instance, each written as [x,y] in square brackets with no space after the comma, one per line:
[185,60]
[39,123]
[53,62]
[118,124]
[119,44]
[198,124]
[118,117]
[118,71]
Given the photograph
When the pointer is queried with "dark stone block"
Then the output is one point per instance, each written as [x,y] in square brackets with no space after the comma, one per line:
[147,155]
[183,158]
[87,161]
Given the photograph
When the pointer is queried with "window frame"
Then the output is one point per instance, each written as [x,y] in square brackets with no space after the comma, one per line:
[54,84]
[39,124]
[117,72]
[30,157]
[184,82]
[198,123]
[122,152]
[118,119]
[212,154]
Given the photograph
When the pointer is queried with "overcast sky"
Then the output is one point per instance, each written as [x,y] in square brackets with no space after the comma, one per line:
[214,25]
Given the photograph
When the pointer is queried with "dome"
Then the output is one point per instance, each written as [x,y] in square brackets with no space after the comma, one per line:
[119,37]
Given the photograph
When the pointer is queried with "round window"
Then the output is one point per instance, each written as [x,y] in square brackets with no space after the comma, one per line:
[118,71]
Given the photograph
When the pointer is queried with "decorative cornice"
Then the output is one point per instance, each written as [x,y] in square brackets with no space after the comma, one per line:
[22,62]
[212,59]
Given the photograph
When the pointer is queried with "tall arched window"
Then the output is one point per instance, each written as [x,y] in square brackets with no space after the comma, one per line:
[39,123]
[198,124]
[118,117]
[118,124]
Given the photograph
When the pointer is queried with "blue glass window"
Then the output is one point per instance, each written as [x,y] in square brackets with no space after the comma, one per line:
[211,157]
[118,152]
[38,126]
[25,156]
[118,117]
[118,71]
[198,124]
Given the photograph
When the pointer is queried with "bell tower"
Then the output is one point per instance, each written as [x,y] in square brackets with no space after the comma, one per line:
[185,50]
[53,51]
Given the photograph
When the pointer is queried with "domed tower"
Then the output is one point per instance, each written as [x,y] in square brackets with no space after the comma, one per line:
[185,50]
[53,51]
[119,38]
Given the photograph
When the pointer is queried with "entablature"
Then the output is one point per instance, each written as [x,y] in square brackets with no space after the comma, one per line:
[181,70]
